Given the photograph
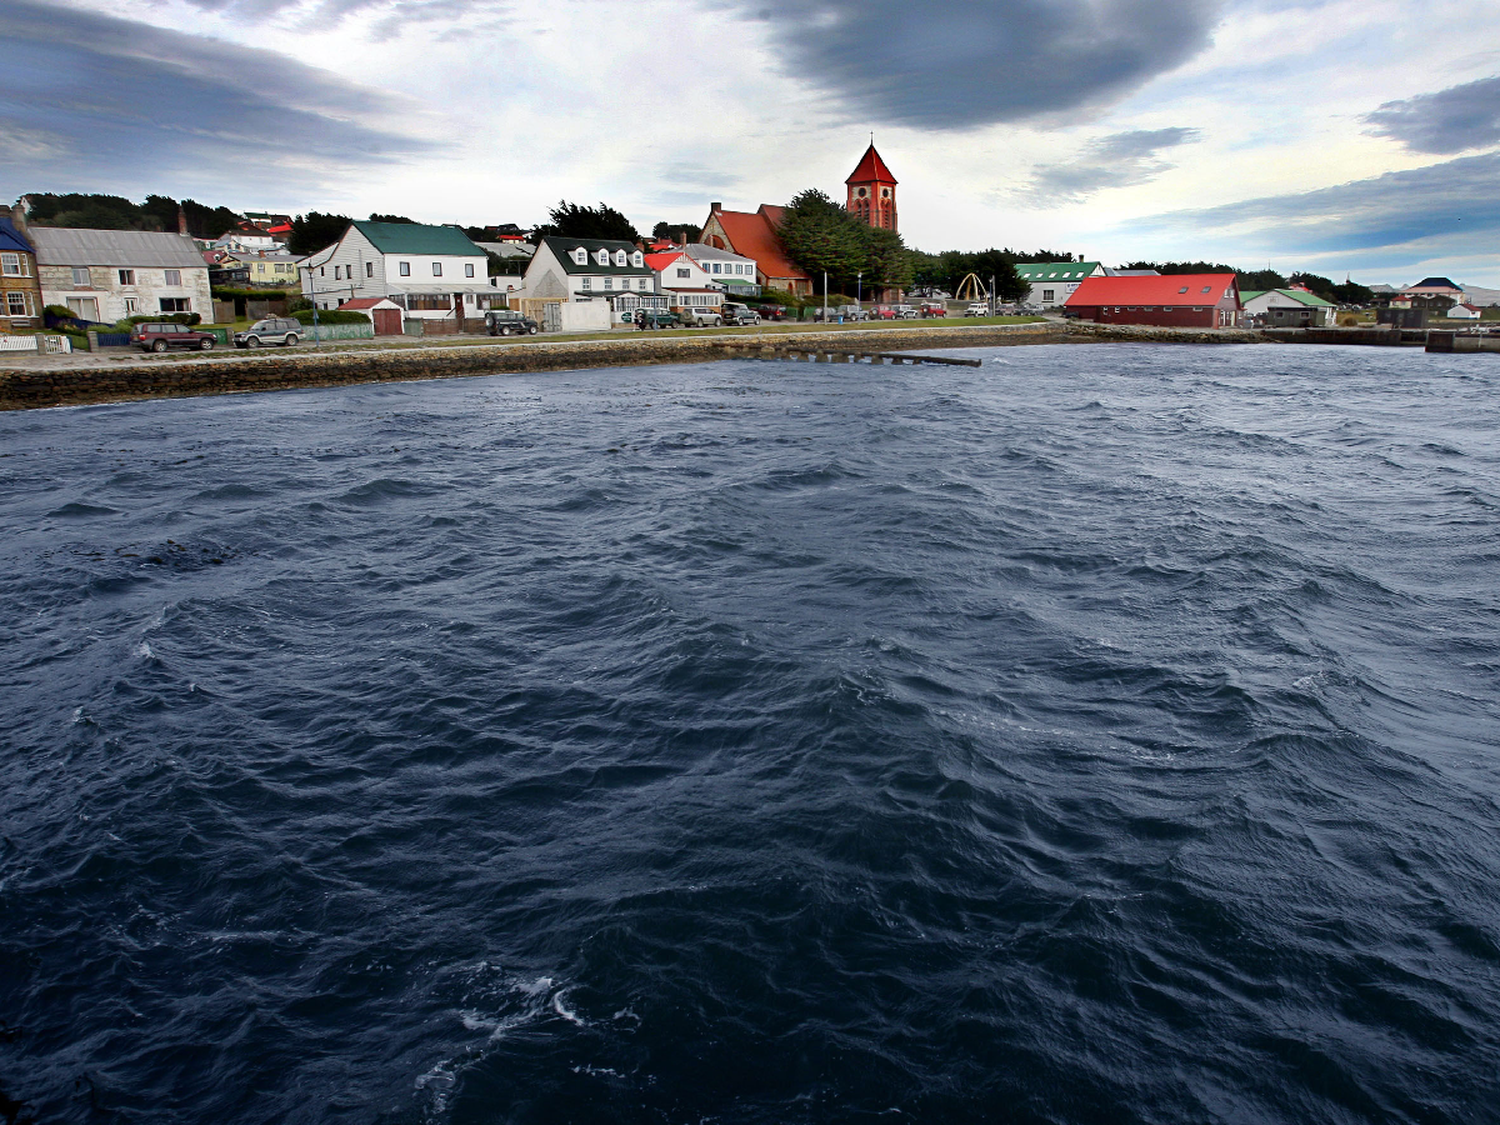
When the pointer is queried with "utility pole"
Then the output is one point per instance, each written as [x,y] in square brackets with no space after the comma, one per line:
[825,296]
[859,290]
[992,294]
[312,289]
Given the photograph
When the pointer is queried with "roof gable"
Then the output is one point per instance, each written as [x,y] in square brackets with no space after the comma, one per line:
[871,169]
[1056,271]
[13,239]
[754,236]
[418,238]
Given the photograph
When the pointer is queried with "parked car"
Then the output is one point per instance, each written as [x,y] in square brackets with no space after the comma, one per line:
[508,322]
[904,312]
[977,309]
[735,313]
[273,330]
[658,318]
[700,316]
[852,312]
[160,337]
[932,308]
[883,312]
[773,312]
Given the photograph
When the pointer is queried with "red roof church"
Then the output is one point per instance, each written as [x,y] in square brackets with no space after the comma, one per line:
[872,191]
[1184,300]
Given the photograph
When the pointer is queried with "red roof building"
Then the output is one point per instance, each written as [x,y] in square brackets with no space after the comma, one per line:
[872,191]
[753,235]
[1189,300]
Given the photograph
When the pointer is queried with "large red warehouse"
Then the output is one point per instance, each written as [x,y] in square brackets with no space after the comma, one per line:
[1188,300]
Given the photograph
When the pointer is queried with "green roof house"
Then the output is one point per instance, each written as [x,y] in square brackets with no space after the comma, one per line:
[1052,283]
[433,272]
[1294,307]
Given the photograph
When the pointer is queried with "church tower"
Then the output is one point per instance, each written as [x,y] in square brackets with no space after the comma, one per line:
[872,191]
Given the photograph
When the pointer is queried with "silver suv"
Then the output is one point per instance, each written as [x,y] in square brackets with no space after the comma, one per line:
[700,316]
[273,330]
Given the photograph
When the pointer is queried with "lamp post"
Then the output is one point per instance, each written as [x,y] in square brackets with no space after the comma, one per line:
[992,294]
[859,289]
[312,289]
[825,296]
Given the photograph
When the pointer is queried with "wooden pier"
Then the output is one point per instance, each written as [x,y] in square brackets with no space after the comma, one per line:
[826,354]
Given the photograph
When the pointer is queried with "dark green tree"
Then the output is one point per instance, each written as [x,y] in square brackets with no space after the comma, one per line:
[665,229]
[1258,281]
[1322,286]
[1353,293]
[374,218]
[572,220]
[822,237]
[316,230]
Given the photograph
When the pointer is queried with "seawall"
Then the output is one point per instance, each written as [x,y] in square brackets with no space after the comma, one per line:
[124,378]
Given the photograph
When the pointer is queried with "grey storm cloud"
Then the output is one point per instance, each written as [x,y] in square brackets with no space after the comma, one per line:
[1453,120]
[977,62]
[1119,160]
[92,91]
[1452,206]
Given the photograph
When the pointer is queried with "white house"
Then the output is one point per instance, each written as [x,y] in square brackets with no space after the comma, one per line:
[583,269]
[685,282]
[432,272]
[1293,307]
[1464,312]
[1052,283]
[733,271]
[108,275]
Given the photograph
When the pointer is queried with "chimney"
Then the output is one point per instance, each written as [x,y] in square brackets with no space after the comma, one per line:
[18,219]
[182,222]
[716,207]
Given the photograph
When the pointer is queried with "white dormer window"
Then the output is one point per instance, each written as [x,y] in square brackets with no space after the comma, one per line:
[619,257]
[637,259]
[602,257]
[580,257]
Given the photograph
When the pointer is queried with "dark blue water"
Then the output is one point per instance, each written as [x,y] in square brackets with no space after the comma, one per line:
[1108,734]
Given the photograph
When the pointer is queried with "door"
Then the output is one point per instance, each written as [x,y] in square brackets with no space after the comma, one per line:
[387,322]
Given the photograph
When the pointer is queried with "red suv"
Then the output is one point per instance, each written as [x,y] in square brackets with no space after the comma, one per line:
[160,337]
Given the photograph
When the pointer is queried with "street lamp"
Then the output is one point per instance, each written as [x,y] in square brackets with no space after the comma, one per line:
[859,291]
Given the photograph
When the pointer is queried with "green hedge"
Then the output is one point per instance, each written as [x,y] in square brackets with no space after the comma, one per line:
[331,316]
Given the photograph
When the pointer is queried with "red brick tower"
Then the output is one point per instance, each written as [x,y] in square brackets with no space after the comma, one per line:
[872,191]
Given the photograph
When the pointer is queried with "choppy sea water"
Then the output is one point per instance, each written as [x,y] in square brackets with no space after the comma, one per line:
[1107,734]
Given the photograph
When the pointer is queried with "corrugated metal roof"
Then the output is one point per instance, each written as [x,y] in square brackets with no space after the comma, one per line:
[1056,271]
[1166,290]
[699,251]
[65,246]
[418,238]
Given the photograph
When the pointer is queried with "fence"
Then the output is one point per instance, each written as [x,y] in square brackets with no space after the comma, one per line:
[364,331]
[55,345]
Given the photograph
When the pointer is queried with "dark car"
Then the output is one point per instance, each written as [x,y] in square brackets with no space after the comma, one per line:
[657,318]
[273,330]
[160,337]
[508,322]
[735,313]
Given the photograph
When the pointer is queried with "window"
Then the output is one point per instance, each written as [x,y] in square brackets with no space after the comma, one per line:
[619,257]
[468,269]
[10,265]
[609,283]
[130,306]
[684,273]
[174,277]
[588,283]
[1047,294]
[320,272]
[641,284]
[1183,289]
[1206,288]
[175,304]
[602,257]
[581,256]
[716,267]
[404,269]
[127,277]
[437,269]
[17,302]
[81,277]
[369,269]
[637,259]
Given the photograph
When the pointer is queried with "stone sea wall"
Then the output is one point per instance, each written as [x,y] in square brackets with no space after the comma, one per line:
[125,378]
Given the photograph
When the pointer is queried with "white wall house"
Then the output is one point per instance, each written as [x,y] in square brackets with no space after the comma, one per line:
[566,271]
[1309,307]
[430,271]
[734,271]
[1052,283]
[108,275]
[686,283]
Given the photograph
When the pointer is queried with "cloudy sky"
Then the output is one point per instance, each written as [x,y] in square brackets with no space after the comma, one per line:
[1336,136]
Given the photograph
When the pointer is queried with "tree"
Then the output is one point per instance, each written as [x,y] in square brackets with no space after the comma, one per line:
[948,269]
[1353,293]
[1258,281]
[1321,286]
[664,229]
[572,220]
[316,230]
[391,219]
[822,237]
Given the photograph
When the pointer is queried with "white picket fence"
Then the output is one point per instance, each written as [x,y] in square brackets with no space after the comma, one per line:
[52,345]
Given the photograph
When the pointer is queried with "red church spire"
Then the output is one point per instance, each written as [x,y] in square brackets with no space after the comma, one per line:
[872,191]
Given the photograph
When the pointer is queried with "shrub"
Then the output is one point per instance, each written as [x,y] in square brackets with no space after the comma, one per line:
[297,304]
[330,316]
[59,310]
